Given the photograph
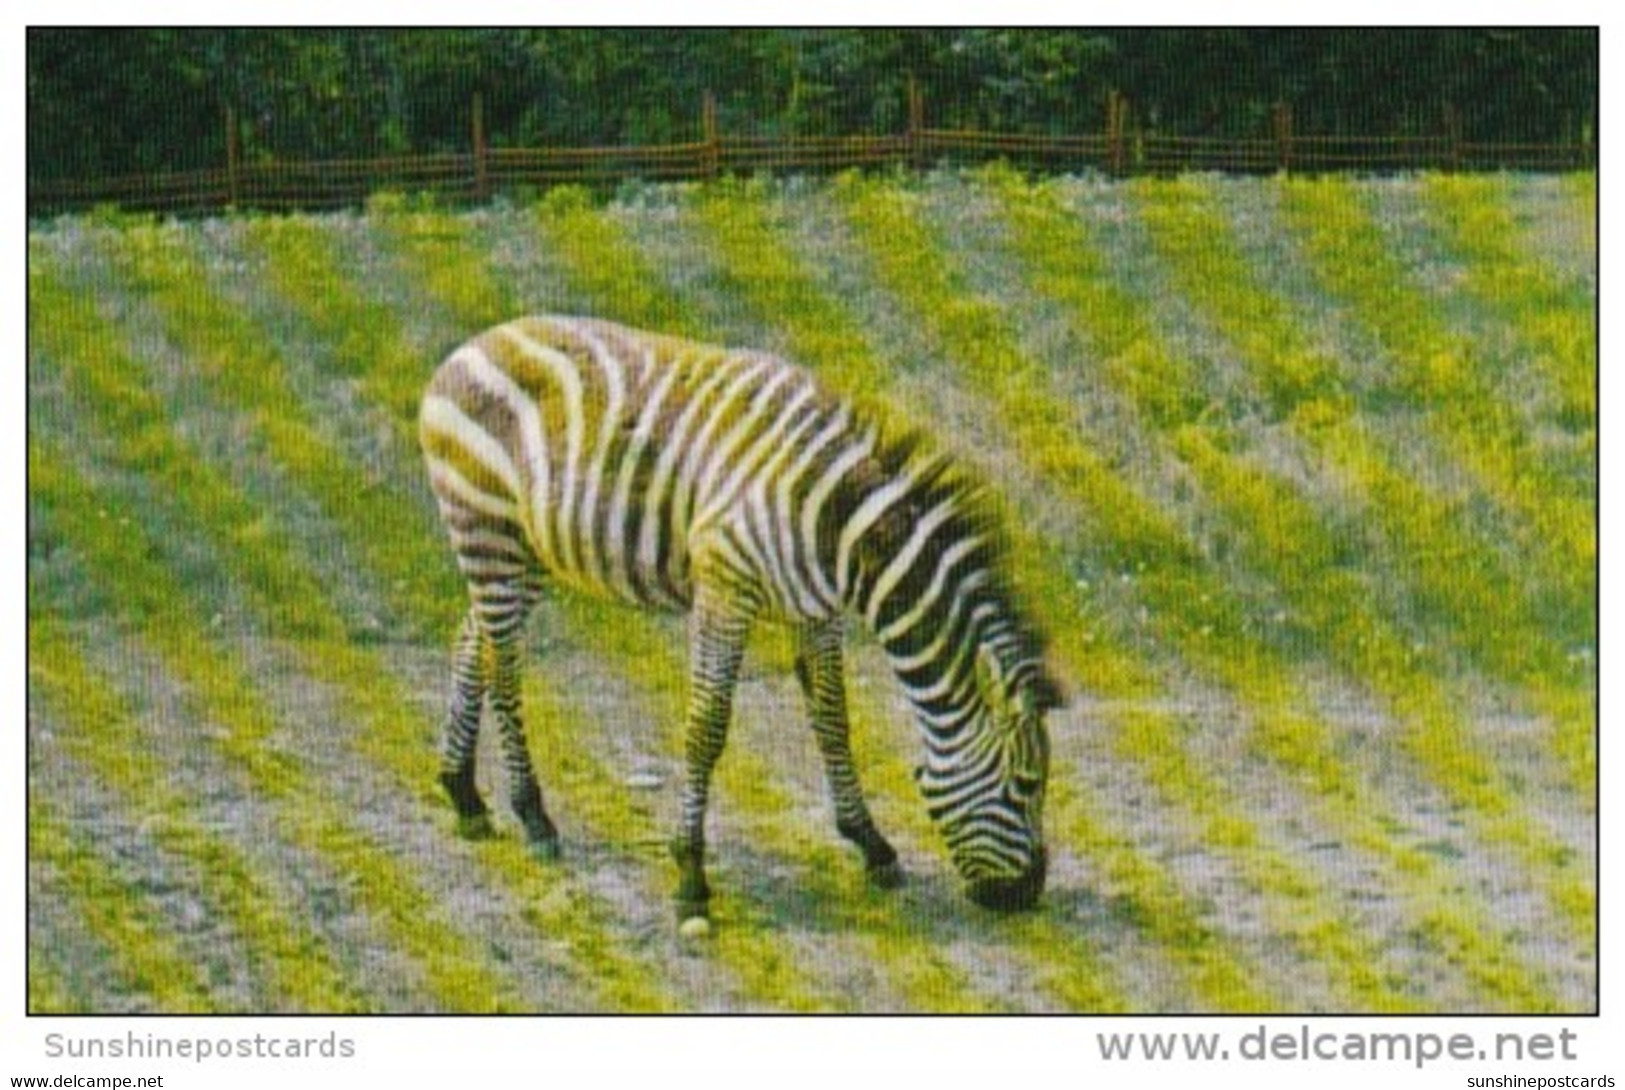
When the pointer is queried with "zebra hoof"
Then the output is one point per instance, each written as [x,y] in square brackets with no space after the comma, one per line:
[545,850]
[689,908]
[887,875]
[475,826]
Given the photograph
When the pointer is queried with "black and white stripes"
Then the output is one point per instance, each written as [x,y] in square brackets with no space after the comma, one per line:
[730,485]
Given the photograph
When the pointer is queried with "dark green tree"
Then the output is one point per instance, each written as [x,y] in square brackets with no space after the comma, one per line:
[109,101]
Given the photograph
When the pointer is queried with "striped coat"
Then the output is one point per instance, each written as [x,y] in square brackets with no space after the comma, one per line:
[730,485]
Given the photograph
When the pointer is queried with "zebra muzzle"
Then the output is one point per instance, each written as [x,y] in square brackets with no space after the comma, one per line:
[1010,894]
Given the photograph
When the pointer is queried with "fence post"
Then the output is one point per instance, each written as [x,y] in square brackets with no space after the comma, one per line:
[1283,136]
[1114,131]
[234,155]
[1452,136]
[712,155]
[482,178]
[916,124]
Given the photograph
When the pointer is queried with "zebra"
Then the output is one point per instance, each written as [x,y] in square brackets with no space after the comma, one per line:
[728,484]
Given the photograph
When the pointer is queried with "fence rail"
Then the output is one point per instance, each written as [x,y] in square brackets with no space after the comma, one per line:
[479,173]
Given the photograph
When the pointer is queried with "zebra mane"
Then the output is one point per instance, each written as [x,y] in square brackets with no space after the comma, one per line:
[938,476]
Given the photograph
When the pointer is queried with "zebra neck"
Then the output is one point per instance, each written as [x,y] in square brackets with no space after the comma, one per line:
[925,590]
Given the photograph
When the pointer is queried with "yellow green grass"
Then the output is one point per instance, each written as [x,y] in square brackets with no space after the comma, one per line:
[120,561]
[1555,529]
[141,954]
[1435,368]
[1581,191]
[1300,552]
[50,989]
[1297,550]
[1555,327]
[239,366]
[97,727]
[1299,545]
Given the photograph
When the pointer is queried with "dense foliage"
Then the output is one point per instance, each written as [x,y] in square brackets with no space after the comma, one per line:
[120,101]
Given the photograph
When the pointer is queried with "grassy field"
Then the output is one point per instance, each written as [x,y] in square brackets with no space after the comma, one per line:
[1302,479]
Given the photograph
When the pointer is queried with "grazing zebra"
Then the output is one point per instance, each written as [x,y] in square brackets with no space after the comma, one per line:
[730,485]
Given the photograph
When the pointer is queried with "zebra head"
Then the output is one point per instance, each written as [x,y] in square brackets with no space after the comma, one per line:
[986,789]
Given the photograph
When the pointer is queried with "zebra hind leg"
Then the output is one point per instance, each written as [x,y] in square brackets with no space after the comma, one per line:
[819,670]
[469,677]
[503,623]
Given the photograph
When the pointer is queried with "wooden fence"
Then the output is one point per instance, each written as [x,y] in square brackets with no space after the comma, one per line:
[1120,149]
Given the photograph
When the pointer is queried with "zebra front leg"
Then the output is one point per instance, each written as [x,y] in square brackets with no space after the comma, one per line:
[820,671]
[718,628]
[469,665]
